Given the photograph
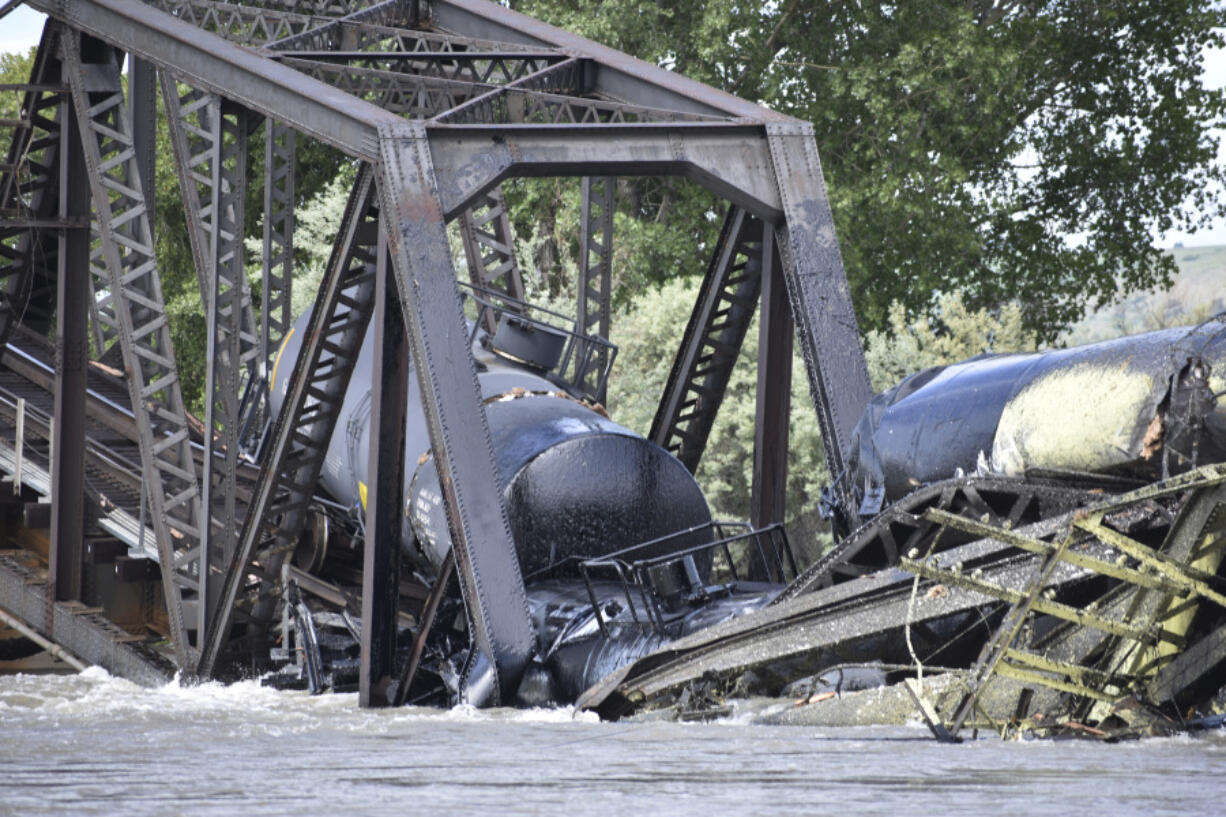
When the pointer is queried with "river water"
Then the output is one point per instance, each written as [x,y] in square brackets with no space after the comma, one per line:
[93,744]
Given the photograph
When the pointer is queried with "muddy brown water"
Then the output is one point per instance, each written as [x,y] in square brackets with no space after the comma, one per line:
[92,744]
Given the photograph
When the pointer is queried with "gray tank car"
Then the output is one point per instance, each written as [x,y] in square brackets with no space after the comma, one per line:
[576,485]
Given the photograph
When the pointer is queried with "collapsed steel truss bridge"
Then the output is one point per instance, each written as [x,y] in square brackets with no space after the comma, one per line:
[438,103]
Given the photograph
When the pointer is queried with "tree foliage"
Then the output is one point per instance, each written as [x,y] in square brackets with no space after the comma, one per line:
[1015,151]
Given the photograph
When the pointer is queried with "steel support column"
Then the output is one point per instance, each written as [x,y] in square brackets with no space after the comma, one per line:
[72,356]
[594,314]
[770,442]
[209,137]
[280,168]
[389,397]
[500,625]
[299,437]
[712,340]
[142,93]
[818,291]
[131,278]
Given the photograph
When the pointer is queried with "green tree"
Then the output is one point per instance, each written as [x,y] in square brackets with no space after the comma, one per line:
[14,70]
[1015,151]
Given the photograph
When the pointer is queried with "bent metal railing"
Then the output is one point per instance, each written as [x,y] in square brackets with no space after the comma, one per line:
[666,579]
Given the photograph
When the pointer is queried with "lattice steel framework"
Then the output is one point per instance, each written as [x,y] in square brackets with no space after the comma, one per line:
[437,103]
[598,201]
[29,196]
[712,341]
[277,279]
[132,281]
[209,136]
[485,230]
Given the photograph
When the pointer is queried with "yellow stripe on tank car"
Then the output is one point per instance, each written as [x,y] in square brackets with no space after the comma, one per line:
[280,352]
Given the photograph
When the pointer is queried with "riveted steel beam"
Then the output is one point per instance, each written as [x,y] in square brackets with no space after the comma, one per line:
[594,312]
[731,160]
[298,441]
[276,292]
[144,334]
[712,341]
[768,498]
[211,64]
[65,568]
[389,397]
[818,293]
[502,630]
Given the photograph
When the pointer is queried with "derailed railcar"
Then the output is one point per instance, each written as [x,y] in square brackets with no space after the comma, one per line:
[1058,521]
[614,537]
[1142,407]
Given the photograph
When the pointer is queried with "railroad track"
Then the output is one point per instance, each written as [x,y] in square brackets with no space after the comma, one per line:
[112,454]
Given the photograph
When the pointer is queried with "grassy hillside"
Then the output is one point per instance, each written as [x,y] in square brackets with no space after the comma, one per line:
[1199,290]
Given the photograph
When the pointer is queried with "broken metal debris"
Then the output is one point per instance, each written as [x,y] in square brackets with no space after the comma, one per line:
[1081,589]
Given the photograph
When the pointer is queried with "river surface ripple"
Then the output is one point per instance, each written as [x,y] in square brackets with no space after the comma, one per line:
[93,744]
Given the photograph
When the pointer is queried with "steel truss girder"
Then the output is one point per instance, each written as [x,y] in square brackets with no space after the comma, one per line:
[594,311]
[209,136]
[731,160]
[489,249]
[298,441]
[479,67]
[818,293]
[712,341]
[393,91]
[362,31]
[551,97]
[29,192]
[144,334]
[245,24]
[615,75]
[502,630]
[213,65]
[280,169]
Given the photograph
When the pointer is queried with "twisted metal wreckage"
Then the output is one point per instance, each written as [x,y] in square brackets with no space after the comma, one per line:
[414,487]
